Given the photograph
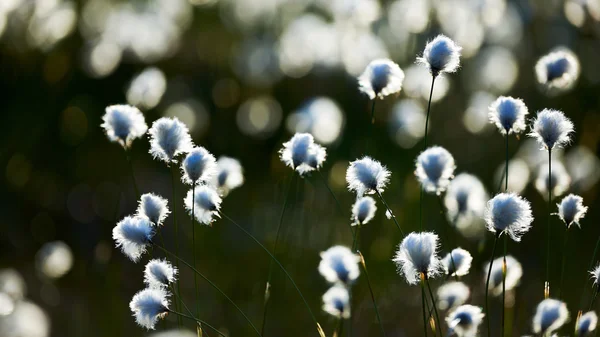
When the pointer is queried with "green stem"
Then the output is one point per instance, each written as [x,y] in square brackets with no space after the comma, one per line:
[137,191]
[487,286]
[200,322]
[437,317]
[425,148]
[364,264]
[356,238]
[196,320]
[196,293]
[425,319]
[504,270]
[547,283]
[340,327]
[337,202]
[390,210]
[175,224]
[587,279]
[563,263]
[506,167]
[594,297]
[372,122]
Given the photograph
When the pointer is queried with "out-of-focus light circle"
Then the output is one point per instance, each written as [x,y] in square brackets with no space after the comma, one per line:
[410,15]
[74,126]
[7,304]
[319,116]
[495,70]
[102,58]
[54,259]
[259,117]
[574,12]
[147,88]
[417,84]
[192,113]
[12,283]
[407,122]
[27,319]
[476,117]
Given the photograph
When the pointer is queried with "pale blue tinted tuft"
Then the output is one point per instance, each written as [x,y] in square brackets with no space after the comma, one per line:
[381,78]
[457,262]
[465,200]
[552,129]
[366,176]
[133,235]
[508,114]
[336,302]
[302,154]
[452,294]
[514,272]
[198,166]
[558,71]
[508,213]
[571,210]
[560,182]
[586,324]
[229,175]
[434,169]
[465,320]
[550,315]
[123,124]
[148,306]
[169,138]
[363,210]
[416,255]
[339,265]
[207,203]
[441,55]
[159,274]
[153,207]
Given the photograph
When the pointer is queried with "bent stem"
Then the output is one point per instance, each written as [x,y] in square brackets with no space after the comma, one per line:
[174,193]
[363,263]
[389,210]
[563,264]
[487,285]
[437,317]
[199,321]
[547,283]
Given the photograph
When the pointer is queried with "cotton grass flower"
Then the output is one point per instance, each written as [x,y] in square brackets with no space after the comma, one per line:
[417,255]
[434,169]
[508,114]
[123,124]
[205,202]
[441,55]
[336,302]
[452,294]
[154,208]
[551,129]
[229,175]
[550,315]
[339,265]
[465,200]
[133,235]
[148,306]
[514,272]
[159,274]
[363,211]
[571,210]
[457,262]
[169,138]
[465,320]
[508,213]
[558,71]
[302,154]
[596,275]
[367,176]
[381,78]
[54,259]
[198,166]
[559,183]
[586,324]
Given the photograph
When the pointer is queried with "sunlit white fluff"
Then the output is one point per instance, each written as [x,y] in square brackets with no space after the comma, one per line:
[465,320]
[363,210]
[169,138]
[198,166]
[153,207]
[551,128]
[229,175]
[452,294]
[336,302]
[441,55]
[416,255]
[508,114]
[207,203]
[149,305]
[514,272]
[550,315]
[508,213]
[159,273]
[560,179]
[457,262]
[302,154]
[339,264]
[367,176]
[54,259]
[435,168]
[381,78]
[558,70]
[596,274]
[465,200]
[316,157]
[123,124]
[133,235]
[571,209]
[586,324]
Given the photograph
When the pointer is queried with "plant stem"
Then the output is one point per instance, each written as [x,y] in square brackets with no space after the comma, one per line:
[547,284]
[506,167]
[587,279]
[340,327]
[425,148]
[487,286]
[425,319]
[356,238]
[135,187]
[504,270]
[175,224]
[339,206]
[196,293]
[445,238]
[371,123]
[390,210]
[200,322]
[437,317]
[594,297]
[196,320]
[364,264]
[563,263]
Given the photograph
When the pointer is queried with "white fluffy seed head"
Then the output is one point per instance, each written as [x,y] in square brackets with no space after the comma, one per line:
[508,213]
[302,154]
[133,235]
[557,71]
[434,169]
[441,55]
[559,183]
[465,320]
[550,315]
[508,114]
[514,272]
[229,176]
[571,210]
[154,208]
[381,78]
[586,324]
[205,203]
[457,262]
[336,302]
[339,265]
[123,124]
[465,200]
[596,275]
[551,128]
[169,138]
[417,255]
[367,176]
[452,294]
[363,210]
[198,166]
[159,274]
[149,305]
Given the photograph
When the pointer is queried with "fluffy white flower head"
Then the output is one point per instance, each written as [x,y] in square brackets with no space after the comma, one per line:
[159,274]
[336,302]
[441,55]
[508,114]
[133,235]
[123,124]
[154,208]
[596,274]
[205,203]
[381,78]
[366,176]
[551,129]
[168,138]
[465,320]
[229,175]
[514,272]
[558,71]
[302,154]
[508,213]
[465,200]
[550,315]
[363,210]
[452,294]
[457,262]
[586,324]
[339,265]
[148,306]
[571,210]
[417,255]
[559,183]
[435,168]
[198,166]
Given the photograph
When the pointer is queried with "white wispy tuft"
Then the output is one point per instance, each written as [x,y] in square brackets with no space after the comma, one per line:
[339,265]
[154,208]
[302,154]
[149,305]
[457,262]
[159,274]
[561,180]
[229,175]
[381,78]
[465,200]
[596,275]
[123,124]
[336,302]
[514,272]
[558,70]
[551,128]
[435,168]
[416,255]
[169,138]
[571,210]
[508,114]
[367,176]
[207,203]
[586,324]
[133,235]
[441,55]
[363,211]
[199,166]
[465,320]
[452,294]
[508,213]
[550,315]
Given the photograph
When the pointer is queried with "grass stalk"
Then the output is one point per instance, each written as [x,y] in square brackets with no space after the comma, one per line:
[390,210]
[487,286]
[176,226]
[547,283]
